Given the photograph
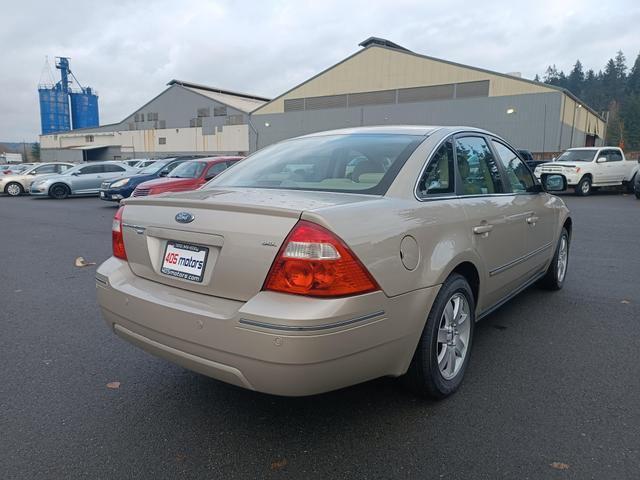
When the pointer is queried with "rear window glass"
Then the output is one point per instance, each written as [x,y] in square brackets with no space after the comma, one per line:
[357,163]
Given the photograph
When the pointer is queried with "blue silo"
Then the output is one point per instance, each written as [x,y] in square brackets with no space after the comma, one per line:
[84,108]
[55,114]
[54,109]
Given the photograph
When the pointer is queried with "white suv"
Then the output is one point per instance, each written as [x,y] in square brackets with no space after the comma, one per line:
[586,168]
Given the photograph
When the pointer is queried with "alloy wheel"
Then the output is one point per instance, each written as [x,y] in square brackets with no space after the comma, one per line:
[13,189]
[563,257]
[453,336]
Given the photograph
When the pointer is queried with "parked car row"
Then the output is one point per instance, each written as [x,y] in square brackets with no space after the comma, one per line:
[113,180]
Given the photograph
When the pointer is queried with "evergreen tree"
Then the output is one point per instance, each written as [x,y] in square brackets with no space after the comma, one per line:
[575,81]
[613,90]
[633,80]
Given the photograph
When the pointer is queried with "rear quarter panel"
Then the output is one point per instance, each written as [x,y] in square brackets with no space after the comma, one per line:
[374,231]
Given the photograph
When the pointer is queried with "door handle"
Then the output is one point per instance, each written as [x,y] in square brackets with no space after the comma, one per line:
[533,219]
[482,229]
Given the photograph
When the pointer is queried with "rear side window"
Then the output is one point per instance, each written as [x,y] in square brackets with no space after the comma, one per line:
[46,169]
[479,172]
[91,169]
[438,177]
[113,168]
[354,163]
[519,175]
[615,156]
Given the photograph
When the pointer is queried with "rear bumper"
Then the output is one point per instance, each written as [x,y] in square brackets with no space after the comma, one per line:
[274,343]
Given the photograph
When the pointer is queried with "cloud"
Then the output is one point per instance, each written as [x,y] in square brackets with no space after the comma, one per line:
[129,50]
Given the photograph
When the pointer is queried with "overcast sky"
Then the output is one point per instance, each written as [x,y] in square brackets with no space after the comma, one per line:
[129,50]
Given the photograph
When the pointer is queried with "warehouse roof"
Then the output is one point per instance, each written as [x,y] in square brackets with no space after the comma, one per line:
[242,101]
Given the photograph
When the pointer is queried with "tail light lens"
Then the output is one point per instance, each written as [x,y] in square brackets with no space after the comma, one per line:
[117,240]
[315,262]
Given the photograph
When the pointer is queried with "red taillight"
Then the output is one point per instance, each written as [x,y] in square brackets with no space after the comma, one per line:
[315,262]
[117,240]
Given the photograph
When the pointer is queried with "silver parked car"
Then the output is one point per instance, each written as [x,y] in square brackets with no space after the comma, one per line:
[18,183]
[335,258]
[84,179]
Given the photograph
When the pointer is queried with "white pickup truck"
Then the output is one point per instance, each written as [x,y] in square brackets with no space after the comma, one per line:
[591,167]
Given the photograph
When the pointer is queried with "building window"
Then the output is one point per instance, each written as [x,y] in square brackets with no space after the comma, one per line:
[132,126]
[162,140]
[204,112]
[472,89]
[162,124]
[195,122]
[138,117]
[152,117]
[234,120]
[219,111]
[88,138]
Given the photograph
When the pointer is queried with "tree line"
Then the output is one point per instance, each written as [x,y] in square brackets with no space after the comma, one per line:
[616,90]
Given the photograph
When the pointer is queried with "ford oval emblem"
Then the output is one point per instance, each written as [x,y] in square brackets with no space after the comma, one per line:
[184,217]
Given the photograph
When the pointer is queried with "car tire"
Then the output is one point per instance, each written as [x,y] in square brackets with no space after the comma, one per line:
[557,271]
[14,189]
[59,191]
[583,189]
[440,360]
[631,185]
[638,194]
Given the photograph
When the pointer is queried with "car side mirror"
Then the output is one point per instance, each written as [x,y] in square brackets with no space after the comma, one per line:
[552,182]
[75,174]
[601,159]
[164,173]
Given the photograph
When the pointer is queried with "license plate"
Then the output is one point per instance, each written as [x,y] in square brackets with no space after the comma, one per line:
[186,261]
[102,195]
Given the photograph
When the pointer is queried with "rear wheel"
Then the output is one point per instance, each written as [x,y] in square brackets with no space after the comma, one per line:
[557,272]
[442,355]
[59,191]
[13,189]
[583,188]
[631,185]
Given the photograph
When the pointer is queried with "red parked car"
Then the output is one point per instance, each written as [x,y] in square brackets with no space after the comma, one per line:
[186,176]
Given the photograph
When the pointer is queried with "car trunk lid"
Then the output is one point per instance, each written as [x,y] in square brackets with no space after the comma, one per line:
[241,230]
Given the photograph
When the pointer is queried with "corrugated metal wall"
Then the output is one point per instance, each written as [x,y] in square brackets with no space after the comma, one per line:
[534,121]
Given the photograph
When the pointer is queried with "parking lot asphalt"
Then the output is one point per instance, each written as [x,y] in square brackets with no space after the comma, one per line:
[553,388]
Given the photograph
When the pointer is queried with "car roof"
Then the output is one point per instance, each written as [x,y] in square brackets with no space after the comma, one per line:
[215,159]
[592,148]
[421,130]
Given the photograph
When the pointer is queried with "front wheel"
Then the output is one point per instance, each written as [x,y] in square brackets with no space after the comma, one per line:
[13,189]
[557,271]
[583,188]
[442,354]
[59,191]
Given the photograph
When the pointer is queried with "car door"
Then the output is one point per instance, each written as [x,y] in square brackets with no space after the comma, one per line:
[604,170]
[616,166]
[496,218]
[540,218]
[84,180]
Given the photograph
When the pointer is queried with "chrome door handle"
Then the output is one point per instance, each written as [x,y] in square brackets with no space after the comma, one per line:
[482,229]
[532,220]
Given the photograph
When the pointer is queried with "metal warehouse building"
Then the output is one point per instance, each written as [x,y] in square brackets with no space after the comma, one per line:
[186,118]
[384,83]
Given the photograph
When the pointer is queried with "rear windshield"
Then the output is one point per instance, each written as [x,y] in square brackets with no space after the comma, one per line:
[356,163]
[577,156]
